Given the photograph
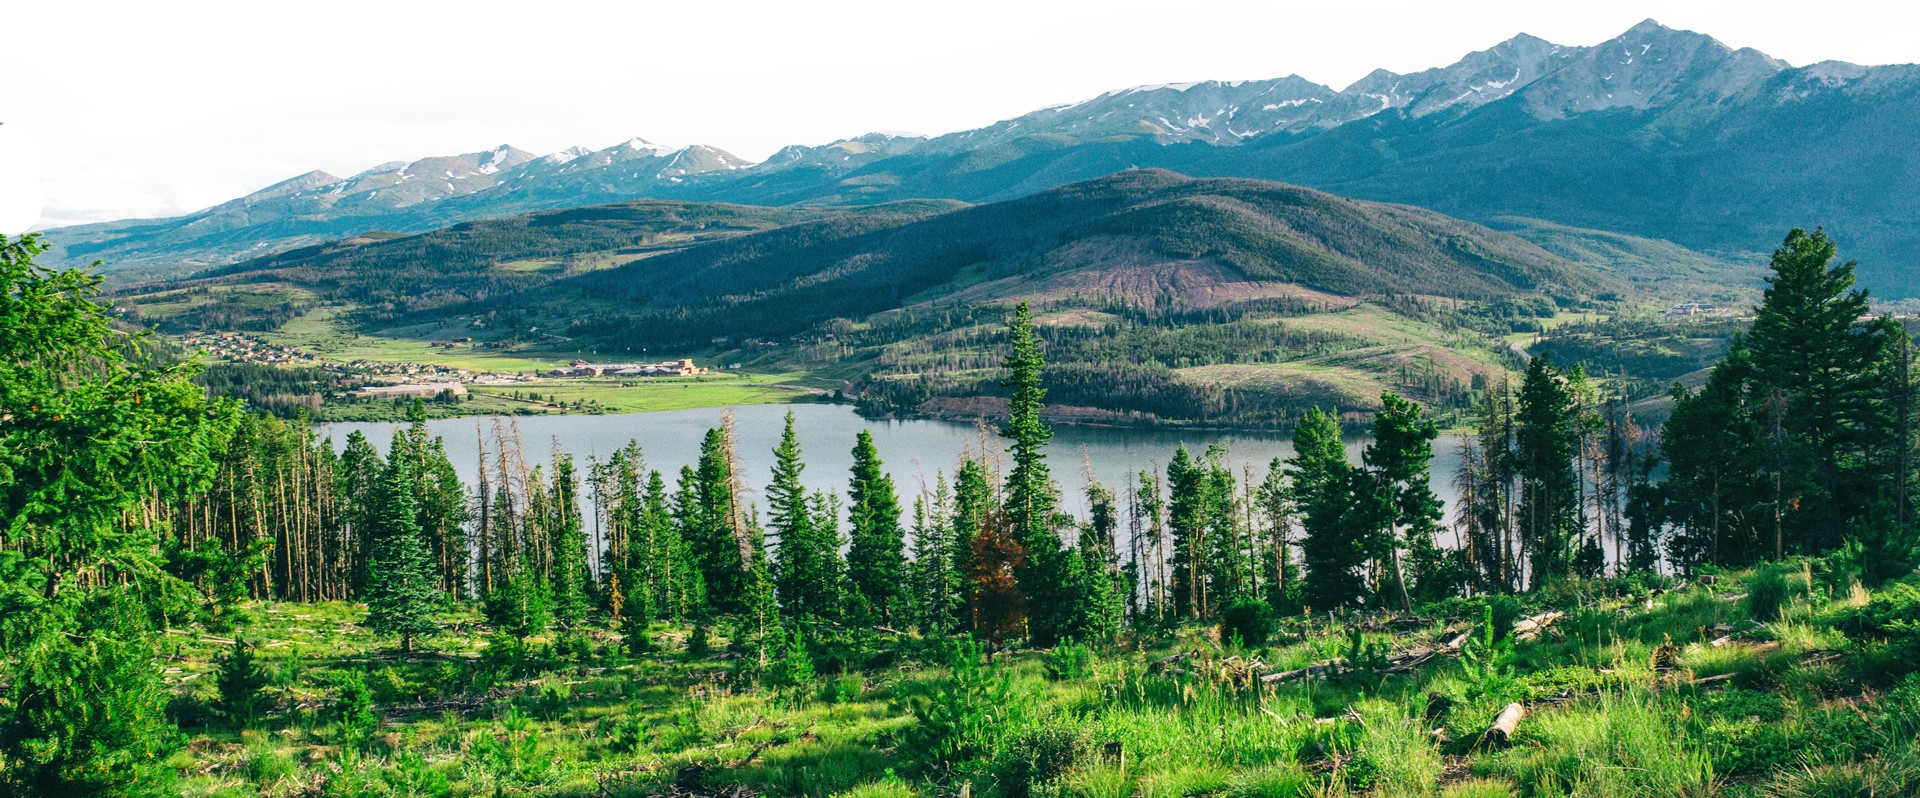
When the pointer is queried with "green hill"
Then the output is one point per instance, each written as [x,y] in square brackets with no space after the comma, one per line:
[1164,298]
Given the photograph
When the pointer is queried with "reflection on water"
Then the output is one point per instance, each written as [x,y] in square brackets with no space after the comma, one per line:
[914,450]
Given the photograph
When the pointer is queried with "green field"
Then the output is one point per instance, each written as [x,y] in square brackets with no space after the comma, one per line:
[1626,693]
[642,395]
[320,333]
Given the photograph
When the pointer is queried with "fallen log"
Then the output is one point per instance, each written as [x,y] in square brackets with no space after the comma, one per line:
[1530,628]
[1300,673]
[1501,732]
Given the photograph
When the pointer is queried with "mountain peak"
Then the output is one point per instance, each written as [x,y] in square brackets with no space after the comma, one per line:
[1645,27]
[638,144]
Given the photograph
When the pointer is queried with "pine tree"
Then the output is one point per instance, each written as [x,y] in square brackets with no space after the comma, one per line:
[1031,495]
[1815,356]
[973,504]
[711,522]
[938,595]
[1550,524]
[876,562]
[401,580]
[1324,488]
[807,569]
[1400,457]
[359,477]
[1277,508]
[569,577]
[240,683]
[1187,523]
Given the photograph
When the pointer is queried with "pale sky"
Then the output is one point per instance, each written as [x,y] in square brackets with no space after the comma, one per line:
[139,109]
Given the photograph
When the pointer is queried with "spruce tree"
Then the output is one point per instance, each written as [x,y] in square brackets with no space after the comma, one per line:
[973,504]
[401,579]
[876,562]
[1550,523]
[937,594]
[240,683]
[1400,457]
[1324,487]
[1187,523]
[359,483]
[569,578]
[1815,354]
[1277,507]
[711,524]
[807,557]
[1031,496]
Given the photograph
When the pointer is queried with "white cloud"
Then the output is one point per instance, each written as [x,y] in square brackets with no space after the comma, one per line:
[150,108]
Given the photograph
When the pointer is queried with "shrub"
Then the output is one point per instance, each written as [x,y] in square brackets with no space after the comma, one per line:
[1247,620]
[1042,754]
[964,713]
[1767,595]
[1069,660]
[840,689]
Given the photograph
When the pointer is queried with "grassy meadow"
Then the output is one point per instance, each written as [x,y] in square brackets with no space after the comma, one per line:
[1769,682]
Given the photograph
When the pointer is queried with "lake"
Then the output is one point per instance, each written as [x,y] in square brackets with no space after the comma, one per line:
[914,450]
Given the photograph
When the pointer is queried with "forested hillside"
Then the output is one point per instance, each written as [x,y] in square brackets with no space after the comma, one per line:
[201,601]
[1166,299]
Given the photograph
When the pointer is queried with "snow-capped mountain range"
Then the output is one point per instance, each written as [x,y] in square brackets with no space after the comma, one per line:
[1657,132]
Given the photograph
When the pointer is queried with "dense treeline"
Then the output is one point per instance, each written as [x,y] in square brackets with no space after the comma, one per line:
[133,503]
[282,391]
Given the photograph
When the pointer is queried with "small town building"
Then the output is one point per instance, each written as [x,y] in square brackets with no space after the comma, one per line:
[427,390]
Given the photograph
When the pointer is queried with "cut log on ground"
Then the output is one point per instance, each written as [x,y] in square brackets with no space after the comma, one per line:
[1501,732]
[1530,628]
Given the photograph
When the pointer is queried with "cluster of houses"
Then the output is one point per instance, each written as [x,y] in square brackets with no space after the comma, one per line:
[384,368]
[1689,309]
[422,390]
[683,367]
[243,348]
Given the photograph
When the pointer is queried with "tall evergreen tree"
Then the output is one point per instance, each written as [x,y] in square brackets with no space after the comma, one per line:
[973,505]
[1546,440]
[1031,495]
[569,578]
[1324,488]
[402,584]
[1814,355]
[1277,508]
[359,477]
[939,597]
[877,560]
[1187,517]
[712,524]
[1399,457]
[806,570]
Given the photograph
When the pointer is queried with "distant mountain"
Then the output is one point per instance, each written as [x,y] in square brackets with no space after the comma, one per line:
[1165,298]
[1658,134]
[1146,237]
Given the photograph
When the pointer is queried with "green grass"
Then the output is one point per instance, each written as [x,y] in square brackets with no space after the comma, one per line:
[642,395]
[1601,722]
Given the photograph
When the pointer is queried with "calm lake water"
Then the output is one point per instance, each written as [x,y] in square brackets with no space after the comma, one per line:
[914,450]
